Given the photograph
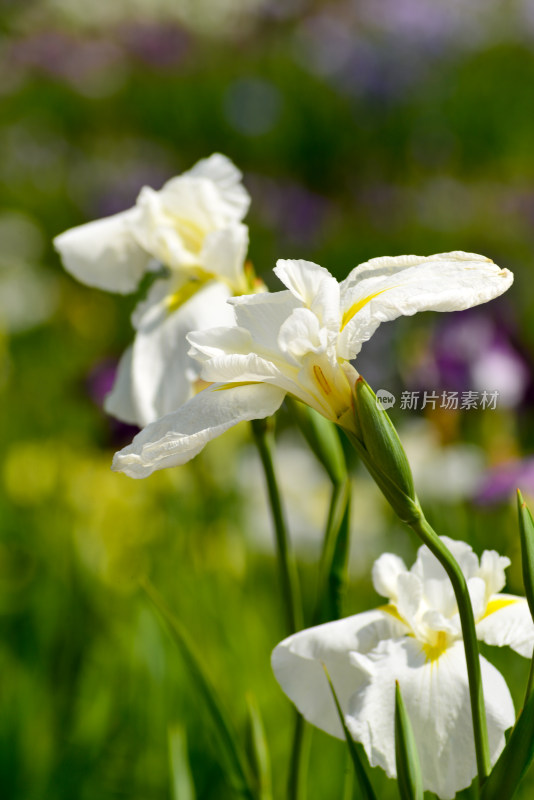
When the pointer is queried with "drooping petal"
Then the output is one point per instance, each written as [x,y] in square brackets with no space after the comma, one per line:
[508,621]
[178,437]
[226,176]
[298,661]
[386,571]
[314,286]
[223,255]
[104,253]
[119,402]
[436,695]
[387,288]
[163,374]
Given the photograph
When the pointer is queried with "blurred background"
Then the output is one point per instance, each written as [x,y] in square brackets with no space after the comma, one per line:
[363,128]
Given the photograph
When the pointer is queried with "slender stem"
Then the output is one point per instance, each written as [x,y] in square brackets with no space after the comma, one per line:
[530,682]
[427,534]
[333,562]
[263,436]
[298,767]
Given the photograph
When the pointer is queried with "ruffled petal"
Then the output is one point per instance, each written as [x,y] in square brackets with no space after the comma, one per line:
[298,661]
[314,286]
[436,695]
[104,253]
[178,437]
[263,315]
[508,621]
[386,288]
[226,176]
[386,571]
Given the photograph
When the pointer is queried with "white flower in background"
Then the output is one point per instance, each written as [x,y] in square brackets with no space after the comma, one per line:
[192,226]
[301,341]
[416,639]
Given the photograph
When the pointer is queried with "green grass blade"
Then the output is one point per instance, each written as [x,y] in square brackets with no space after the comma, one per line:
[260,750]
[409,775]
[526,533]
[514,760]
[366,789]
[232,755]
[183,787]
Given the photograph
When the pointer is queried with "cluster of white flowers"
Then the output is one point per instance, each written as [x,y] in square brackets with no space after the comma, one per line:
[198,331]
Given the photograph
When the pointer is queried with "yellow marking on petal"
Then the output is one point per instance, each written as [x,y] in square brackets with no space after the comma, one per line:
[434,651]
[321,380]
[177,299]
[497,604]
[393,611]
[233,385]
[359,304]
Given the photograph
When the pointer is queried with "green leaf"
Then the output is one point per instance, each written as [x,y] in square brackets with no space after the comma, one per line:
[260,750]
[334,556]
[361,775]
[238,771]
[183,787]
[408,767]
[526,533]
[514,760]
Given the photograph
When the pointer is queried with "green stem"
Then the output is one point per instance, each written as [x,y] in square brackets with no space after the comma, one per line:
[298,767]
[427,534]
[263,436]
[530,682]
[333,562]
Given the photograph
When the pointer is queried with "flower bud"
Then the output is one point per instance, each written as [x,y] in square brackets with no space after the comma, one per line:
[380,448]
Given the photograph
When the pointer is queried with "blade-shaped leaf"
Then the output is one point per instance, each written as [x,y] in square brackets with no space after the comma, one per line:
[260,750]
[361,775]
[322,437]
[334,557]
[514,760]
[526,532]
[408,767]
[183,787]
[235,761]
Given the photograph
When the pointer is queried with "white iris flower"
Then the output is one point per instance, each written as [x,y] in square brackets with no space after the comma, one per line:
[301,341]
[193,227]
[415,639]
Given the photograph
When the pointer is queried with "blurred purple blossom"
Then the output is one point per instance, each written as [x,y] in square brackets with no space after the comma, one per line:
[289,207]
[476,350]
[158,45]
[500,483]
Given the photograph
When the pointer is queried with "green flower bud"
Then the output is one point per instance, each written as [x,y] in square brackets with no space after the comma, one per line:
[380,448]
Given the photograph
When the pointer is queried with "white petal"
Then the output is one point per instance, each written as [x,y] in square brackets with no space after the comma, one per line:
[214,342]
[119,401]
[314,286]
[386,570]
[300,334]
[437,588]
[179,436]
[410,594]
[297,664]
[223,255]
[163,372]
[508,622]
[387,288]
[104,253]
[491,570]
[436,695]
[227,177]
[263,315]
